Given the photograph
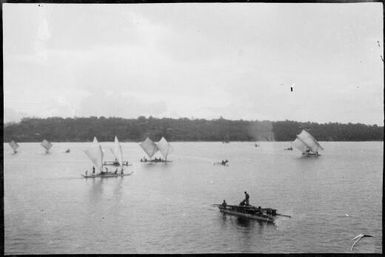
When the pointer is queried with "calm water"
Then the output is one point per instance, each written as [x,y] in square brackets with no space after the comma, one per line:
[165,208]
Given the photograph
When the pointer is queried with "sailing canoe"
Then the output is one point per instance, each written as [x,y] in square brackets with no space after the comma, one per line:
[251,212]
[307,144]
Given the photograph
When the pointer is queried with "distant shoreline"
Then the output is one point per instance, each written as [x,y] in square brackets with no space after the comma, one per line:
[183,130]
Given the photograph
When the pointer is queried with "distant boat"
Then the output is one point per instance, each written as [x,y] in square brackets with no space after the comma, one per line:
[118,154]
[307,144]
[289,149]
[47,145]
[256,145]
[14,146]
[164,148]
[95,140]
[96,155]
[223,163]
[151,148]
[68,150]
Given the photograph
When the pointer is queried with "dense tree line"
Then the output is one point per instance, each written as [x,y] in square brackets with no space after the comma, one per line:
[183,129]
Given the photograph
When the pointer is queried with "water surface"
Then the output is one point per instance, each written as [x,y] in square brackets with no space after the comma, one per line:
[166,208]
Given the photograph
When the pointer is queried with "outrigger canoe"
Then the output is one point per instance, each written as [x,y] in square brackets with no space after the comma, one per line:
[251,212]
[107,175]
[114,163]
[154,160]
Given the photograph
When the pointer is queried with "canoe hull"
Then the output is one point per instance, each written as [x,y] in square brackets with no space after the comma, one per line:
[152,161]
[107,175]
[249,216]
[116,164]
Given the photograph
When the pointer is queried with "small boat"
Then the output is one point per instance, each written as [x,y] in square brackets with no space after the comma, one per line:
[144,159]
[14,146]
[47,145]
[118,154]
[67,151]
[223,163]
[107,175]
[307,144]
[251,212]
[289,149]
[116,163]
[96,155]
[151,148]
[256,145]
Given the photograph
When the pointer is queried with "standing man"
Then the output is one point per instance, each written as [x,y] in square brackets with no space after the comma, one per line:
[246,198]
[246,201]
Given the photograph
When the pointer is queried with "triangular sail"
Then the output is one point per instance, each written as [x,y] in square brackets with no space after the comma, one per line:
[164,147]
[310,141]
[95,154]
[300,145]
[118,153]
[96,143]
[47,145]
[14,146]
[149,147]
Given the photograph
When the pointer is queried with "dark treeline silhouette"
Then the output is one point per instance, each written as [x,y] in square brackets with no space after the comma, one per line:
[183,129]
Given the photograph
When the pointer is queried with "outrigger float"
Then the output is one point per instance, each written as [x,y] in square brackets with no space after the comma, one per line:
[257,213]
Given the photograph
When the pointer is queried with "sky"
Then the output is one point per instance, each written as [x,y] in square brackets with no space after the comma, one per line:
[235,60]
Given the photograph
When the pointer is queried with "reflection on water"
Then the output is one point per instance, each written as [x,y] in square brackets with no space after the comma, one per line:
[96,189]
[245,225]
[155,165]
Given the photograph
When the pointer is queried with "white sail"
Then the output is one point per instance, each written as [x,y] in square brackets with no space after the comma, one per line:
[47,145]
[95,154]
[149,147]
[310,141]
[300,145]
[113,153]
[118,153]
[14,146]
[96,143]
[164,147]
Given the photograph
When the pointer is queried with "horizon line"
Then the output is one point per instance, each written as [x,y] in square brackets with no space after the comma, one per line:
[179,118]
